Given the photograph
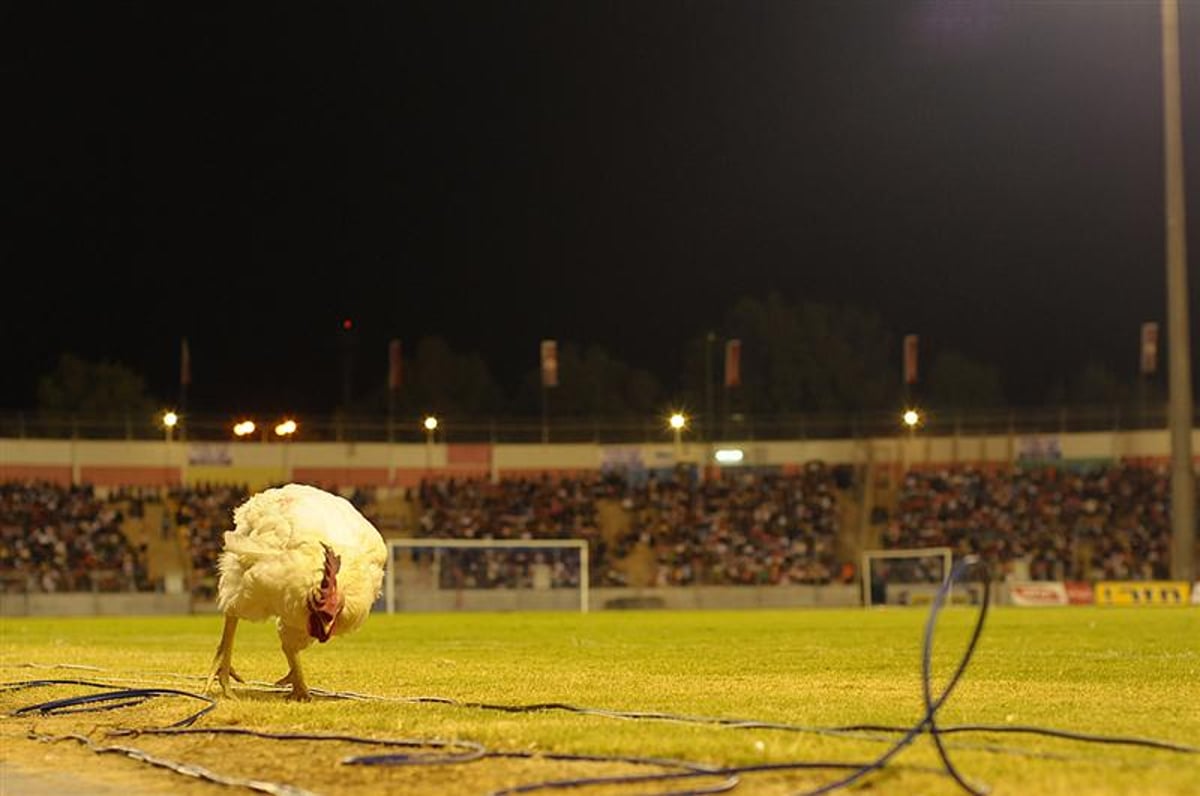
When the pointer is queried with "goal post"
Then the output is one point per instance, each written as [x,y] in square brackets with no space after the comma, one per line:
[906,576]
[440,572]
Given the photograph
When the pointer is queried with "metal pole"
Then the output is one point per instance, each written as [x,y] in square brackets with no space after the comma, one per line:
[1179,414]
[584,579]
[391,415]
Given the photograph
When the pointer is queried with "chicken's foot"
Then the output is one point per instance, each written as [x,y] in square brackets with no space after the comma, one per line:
[294,678]
[222,668]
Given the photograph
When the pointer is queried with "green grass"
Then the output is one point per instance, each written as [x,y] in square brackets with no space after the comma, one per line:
[1107,671]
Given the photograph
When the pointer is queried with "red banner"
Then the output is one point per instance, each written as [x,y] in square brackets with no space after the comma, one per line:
[1080,593]
[733,363]
[911,342]
[1149,347]
[185,363]
[394,364]
[549,363]
[1032,593]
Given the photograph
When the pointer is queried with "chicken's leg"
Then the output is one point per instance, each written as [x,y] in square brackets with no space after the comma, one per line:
[294,677]
[222,668]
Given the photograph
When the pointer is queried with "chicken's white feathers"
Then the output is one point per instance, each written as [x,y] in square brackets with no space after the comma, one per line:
[274,559]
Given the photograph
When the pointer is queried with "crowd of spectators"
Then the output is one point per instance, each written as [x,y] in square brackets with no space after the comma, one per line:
[63,539]
[746,526]
[1107,521]
[541,507]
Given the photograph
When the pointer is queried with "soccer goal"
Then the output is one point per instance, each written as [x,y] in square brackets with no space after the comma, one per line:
[427,574]
[904,577]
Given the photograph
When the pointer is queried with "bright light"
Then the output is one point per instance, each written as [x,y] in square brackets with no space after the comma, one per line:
[911,418]
[677,421]
[729,455]
[244,428]
[170,419]
[286,428]
[430,423]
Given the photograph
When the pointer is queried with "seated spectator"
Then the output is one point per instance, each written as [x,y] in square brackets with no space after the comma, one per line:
[1096,522]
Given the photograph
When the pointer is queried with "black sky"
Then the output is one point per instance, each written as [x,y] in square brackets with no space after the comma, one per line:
[985,173]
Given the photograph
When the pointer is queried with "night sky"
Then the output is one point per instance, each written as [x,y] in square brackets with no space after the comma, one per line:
[987,174]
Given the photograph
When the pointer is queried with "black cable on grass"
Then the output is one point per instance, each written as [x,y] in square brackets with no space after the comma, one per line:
[693,771]
[690,771]
[110,700]
[928,722]
[475,751]
[1025,729]
[962,566]
[471,749]
[753,724]
[684,770]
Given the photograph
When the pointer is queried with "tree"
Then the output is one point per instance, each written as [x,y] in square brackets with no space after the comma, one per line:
[591,383]
[103,390]
[438,379]
[1095,383]
[957,382]
[810,357]
[447,382]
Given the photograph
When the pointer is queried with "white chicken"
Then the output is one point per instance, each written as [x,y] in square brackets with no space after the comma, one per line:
[308,558]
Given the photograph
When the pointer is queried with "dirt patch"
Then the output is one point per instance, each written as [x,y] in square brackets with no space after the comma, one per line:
[38,768]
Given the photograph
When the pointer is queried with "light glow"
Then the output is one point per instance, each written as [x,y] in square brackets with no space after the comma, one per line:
[729,455]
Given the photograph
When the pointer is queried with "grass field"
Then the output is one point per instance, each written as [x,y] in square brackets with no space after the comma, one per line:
[1103,671]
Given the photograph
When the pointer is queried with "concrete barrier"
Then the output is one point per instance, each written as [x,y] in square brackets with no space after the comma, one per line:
[94,604]
[677,598]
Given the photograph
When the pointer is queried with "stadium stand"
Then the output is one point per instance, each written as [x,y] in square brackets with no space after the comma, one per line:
[55,539]
[1092,521]
[1088,522]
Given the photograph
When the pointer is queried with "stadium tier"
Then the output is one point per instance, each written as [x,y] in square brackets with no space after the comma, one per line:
[674,536]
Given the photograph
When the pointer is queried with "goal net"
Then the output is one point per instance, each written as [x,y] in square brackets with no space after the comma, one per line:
[904,577]
[427,574]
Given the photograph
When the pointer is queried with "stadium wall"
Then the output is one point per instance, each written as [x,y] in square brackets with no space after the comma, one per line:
[676,598]
[1148,595]
[401,465]
[672,598]
[94,604]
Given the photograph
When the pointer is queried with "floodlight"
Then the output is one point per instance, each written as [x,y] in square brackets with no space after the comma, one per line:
[729,455]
